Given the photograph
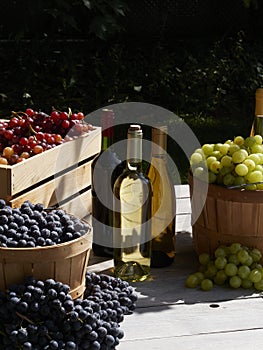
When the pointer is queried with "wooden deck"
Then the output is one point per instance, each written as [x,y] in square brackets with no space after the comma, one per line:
[170,316]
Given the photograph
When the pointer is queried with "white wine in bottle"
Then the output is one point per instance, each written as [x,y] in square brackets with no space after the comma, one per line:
[132,214]
[163,202]
[257,126]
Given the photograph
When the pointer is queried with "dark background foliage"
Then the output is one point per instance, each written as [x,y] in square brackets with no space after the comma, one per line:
[201,59]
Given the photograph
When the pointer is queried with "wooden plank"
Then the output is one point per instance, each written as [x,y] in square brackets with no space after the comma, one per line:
[182,191]
[44,165]
[200,318]
[242,340]
[59,188]
[79,206]
[183,222]
[183,206]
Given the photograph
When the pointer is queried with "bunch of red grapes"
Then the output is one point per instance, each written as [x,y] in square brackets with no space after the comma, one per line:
[29,133]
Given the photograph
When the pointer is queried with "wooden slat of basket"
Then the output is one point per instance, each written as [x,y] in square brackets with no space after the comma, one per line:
[48,253]
[43,269]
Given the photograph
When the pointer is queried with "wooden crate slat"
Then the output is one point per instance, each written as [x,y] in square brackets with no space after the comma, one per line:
[79,206]
[21,176]
[59,188]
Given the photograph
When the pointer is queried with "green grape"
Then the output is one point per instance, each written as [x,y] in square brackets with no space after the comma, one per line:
[239,180]
[260,158]
[228,180]
[235,282]
[207,148]
[230,269]
[233,259]
[220,262]
[220,277]
[220,251]
[223,148]
[255,157]
[209,160]
[250,164]
[233,148]
[256,254]
[255,176]
[216,154]
[211,270]
[249,261]
[234,248]
[207,284]
[255,275]
[192,281]
[217,146]
[246,283]
[256,265]
[226,170]
[199,150]
[241,169]
[249,141]
[204,258]
[215,166]
[239,140]
[211,177]
[243,271]
[242,256]
[258,167]
[226,161]
[256,148]
[259,187]
[196,158]
[219,179]
[200,275]
[200,173]
[259,285]
[239,156]
[258,139]
[229,142]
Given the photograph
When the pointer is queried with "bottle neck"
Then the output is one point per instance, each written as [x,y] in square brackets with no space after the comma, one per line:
[259,102]
[134,148]
[159,142]
[107,125]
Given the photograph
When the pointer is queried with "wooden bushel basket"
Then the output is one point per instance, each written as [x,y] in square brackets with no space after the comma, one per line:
[65,262]
[228,216]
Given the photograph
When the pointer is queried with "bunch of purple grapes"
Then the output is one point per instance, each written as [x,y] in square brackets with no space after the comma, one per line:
[31,226]
[41,315]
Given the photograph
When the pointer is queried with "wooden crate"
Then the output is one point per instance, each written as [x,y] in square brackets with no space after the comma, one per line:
[60,176]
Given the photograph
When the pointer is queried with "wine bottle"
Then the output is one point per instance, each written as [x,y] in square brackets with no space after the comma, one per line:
[105,168]
[163,202]
[132,214]
[257,126]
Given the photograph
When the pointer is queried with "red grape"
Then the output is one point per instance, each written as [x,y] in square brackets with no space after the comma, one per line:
[63,115]
[29,112]
[23,141]
[80,116]
[38,149]
[65,124]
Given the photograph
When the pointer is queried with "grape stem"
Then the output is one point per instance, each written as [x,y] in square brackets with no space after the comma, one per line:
[24,317]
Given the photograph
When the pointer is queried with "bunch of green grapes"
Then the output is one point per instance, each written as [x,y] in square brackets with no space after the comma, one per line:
[234,265]
[233,163]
